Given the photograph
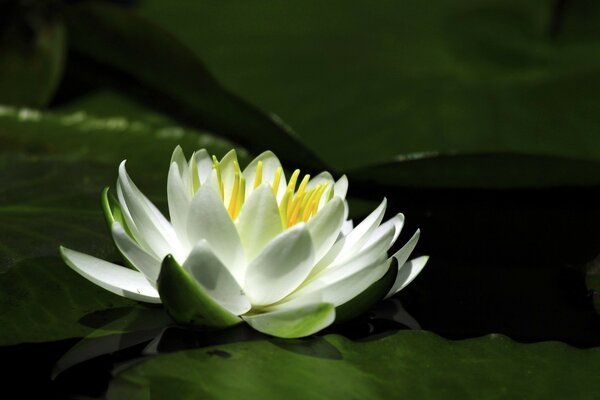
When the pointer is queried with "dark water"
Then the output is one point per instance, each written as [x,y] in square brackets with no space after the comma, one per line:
[509,262]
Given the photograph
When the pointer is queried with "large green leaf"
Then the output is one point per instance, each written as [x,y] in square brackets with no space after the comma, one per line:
[51,197]
[32,51]
[174,78]
[412,77]
[408,364]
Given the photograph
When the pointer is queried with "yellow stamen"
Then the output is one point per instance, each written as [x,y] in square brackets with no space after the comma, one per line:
[293,216]
[259,173]
[194,173]
[276,180]
[292,183]
[303,184]
[307,208]
[234,194]
[241,196]
[283,208]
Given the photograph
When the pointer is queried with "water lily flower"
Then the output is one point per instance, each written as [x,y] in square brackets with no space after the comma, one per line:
[249,245]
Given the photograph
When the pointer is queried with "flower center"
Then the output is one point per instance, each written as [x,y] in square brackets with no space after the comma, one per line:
[296,205]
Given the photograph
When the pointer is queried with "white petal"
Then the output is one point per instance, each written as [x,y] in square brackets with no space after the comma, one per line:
[259,221]
[402,255]
[270,165]
[280,267]
[343,290]
[155,232]
[406,273]
[397,222]
[204,164]
[114,278]
[144,262]
[216,279]
[340,188]
[325,227]
[323,177]
[296,322]
[182,166]
[179,198]
[209,220]
[228,174]
[347,227]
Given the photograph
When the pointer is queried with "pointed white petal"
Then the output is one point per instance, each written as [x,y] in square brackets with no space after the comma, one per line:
[259,221]
[323,177]
[340,188]
[351,244]
[324,227]
[347,227]
[216,279]
[397,222]
[179,198]
[406,273]
[340,291]
[294,322]
[144,262]
[114,278]
[270,165]
[208,220]
[280,267]
[155,232]
[204,164]
[402,255]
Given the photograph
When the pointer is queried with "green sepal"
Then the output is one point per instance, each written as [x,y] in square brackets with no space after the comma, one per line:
[112,211]
[187,302]
[367,299]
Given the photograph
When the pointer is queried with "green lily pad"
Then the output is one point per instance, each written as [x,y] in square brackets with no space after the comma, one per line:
[177,79]
[409,78]
[408,364]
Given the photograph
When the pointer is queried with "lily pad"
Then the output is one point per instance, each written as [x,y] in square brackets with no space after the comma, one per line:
[448,78]
[408,364]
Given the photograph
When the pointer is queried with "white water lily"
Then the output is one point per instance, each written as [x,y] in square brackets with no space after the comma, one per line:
[248,246]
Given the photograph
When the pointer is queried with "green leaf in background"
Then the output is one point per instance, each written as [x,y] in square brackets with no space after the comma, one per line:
[119,39]
[32,51]
[408,364]
[51,197]
[401,78]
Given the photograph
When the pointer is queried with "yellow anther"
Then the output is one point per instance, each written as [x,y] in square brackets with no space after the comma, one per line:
[292,184]
[276,180]
[283,208]
[309,203]
[194,173]
[259,173]
[293,216]
[241,195]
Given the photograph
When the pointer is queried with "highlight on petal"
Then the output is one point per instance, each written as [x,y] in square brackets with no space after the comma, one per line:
[208,220]
[294,322]
[281,267]
[188,302]
[324,227]
[259,221]
[179,198]
[114,278]
[215,278]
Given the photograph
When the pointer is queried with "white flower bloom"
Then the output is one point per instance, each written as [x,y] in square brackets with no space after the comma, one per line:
[247,245]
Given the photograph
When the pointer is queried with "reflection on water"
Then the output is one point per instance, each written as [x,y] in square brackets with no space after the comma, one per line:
[107,355]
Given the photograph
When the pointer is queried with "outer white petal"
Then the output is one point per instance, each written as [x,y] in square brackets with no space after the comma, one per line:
[402,255]
[397,222]
[155,232]
[343,290]
[259,221]
[209,220]
[325,227]
[143,261]
[270,165]
[300,321]
[280,267]
[114,278]
[350,244]
[179,197]
[407,273]
[216,279]
[347,227]
[182,167]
